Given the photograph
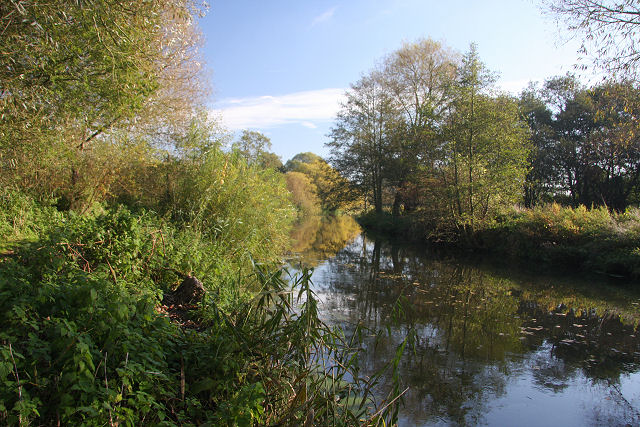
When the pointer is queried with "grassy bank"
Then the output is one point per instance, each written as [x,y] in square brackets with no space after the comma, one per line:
[586,239]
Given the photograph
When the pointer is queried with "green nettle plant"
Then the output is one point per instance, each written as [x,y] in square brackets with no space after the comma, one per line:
[89,339]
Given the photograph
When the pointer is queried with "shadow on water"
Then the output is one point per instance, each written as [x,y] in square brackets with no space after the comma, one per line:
[490,346]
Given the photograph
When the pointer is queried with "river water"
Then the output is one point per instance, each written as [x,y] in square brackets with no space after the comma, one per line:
[493,345]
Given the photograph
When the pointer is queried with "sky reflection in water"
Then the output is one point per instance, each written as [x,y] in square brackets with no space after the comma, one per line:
[493,347]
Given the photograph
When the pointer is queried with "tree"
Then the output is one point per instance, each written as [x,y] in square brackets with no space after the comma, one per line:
[300,161]
[270,161]
[73,71]
[333,190]
[362,138]
[254,147]
[303,193]
[599,148]
[608,28]
[420,78]
[542,176]
[426,128]
[585,142]
[487,146]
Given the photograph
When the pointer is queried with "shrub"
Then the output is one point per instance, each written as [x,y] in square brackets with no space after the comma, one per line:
[85,339]
[21,217]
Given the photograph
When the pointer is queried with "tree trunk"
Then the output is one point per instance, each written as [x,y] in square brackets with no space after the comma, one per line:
[397,201]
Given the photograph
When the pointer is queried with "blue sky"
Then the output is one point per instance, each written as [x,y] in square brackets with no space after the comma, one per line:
[281,67]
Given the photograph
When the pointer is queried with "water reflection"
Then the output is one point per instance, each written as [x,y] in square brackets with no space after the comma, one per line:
[490,347]
[319,237]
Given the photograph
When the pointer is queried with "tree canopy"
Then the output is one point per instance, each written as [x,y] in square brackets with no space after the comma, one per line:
[608,28]
[426,130]
[73,71]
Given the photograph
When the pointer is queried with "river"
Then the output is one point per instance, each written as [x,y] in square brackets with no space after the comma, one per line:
[492,345]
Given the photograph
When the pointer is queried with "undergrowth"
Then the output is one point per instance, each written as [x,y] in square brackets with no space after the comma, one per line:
[578,238]
[86,339]
[589,239]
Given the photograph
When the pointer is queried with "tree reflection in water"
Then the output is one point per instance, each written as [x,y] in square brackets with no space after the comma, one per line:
[487,345]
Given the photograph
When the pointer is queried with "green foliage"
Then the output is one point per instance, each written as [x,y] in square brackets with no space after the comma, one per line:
[21,217]
[425,134]
[592,239]
[488,160]
[585,140]
[487,149]
[242,207]
[298,162]
[254,147]
[85,339]
[73,73]
[100,110]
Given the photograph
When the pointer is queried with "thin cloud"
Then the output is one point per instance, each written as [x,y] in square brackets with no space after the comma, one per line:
[309,125]
[307,109]
[324,17]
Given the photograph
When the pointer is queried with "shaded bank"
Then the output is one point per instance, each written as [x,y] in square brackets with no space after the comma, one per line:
[580,239]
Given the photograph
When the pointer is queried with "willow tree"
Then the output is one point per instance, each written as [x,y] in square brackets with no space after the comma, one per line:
[73,71]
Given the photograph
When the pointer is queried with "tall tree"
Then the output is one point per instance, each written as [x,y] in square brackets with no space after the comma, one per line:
[585,142]
[420,79]
[487,146]
[254,147]
[362,137]
[541,178]
[599,147]
[613,149]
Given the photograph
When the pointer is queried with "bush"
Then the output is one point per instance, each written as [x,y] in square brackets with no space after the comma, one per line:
[593,239]
[244,209]
[85,339]
[21,217]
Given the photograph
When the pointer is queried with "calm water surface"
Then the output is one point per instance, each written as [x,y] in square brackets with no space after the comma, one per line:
[494,346]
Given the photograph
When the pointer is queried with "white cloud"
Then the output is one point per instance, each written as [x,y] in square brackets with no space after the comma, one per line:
[309,125]
[303,108]
[324,17]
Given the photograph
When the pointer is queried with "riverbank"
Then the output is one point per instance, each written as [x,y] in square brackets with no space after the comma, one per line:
[582,239]
[119,316]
